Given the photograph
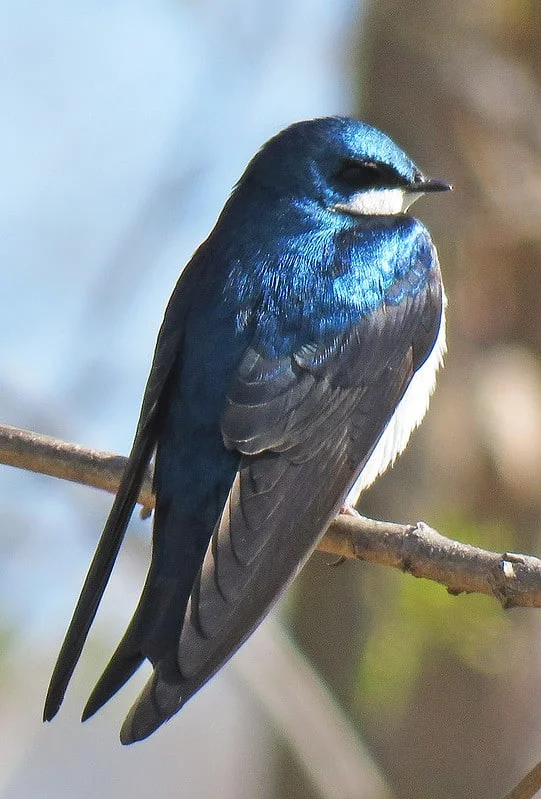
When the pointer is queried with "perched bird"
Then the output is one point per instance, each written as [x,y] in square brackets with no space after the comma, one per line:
[298,352]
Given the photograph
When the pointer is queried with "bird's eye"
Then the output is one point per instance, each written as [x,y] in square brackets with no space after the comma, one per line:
[367,174]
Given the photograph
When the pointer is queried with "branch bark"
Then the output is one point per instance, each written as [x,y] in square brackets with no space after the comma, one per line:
[513,579]
[528,786]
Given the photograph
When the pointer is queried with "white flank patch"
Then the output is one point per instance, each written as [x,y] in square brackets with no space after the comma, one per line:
[407,416]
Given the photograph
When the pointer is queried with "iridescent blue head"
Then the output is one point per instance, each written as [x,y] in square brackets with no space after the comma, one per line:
[340,164]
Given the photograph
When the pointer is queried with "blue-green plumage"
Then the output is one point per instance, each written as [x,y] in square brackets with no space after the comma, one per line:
[294,347]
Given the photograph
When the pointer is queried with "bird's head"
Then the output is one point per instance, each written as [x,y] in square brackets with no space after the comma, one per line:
[342,165]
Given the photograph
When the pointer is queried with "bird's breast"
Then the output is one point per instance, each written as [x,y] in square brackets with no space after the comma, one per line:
[302,288]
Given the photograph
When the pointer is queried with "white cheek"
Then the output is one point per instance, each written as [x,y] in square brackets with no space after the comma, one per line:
[375,202]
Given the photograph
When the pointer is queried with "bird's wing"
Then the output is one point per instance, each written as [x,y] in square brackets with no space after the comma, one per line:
[306,425]
[115,527]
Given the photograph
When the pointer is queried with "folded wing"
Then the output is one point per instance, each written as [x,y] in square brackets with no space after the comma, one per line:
[306,425]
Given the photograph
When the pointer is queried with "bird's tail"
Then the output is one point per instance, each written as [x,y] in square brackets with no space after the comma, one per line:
[258,545]
[154,628]
[125,662]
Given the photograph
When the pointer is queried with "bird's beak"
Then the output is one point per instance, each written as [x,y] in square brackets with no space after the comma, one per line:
[429,185]
[422,186]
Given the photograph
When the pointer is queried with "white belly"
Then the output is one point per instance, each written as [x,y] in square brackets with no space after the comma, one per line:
[408,415]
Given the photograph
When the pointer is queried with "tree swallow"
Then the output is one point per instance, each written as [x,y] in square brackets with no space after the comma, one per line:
[298,352]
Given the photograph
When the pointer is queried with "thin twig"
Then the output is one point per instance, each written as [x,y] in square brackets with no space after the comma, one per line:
[528,786]
[514,580]
[46,455]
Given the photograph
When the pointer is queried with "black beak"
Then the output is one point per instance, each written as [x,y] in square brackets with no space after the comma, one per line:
[425,185]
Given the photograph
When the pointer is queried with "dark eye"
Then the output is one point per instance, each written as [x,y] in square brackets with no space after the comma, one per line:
[367,174]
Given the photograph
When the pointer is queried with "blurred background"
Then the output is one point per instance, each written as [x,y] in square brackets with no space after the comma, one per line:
[123,127]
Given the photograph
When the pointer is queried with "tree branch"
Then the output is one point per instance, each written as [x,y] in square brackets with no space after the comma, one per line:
[45,455]
[528,786]
[514,580]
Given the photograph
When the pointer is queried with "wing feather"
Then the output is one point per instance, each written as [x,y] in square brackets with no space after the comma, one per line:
[306,425]
[115,527]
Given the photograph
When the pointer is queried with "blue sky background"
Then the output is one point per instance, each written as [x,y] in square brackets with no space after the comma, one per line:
[123,127]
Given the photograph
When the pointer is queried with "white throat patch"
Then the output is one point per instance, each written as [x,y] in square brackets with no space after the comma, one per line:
[379,202]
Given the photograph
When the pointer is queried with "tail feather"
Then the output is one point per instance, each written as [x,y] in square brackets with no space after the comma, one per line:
[99,571]
[154,629]
[121,667]
[158,701]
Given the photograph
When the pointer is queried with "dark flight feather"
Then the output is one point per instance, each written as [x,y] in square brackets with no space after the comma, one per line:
[116,524]
[303,450]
